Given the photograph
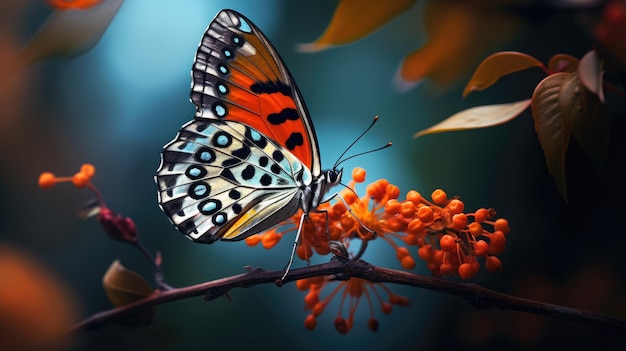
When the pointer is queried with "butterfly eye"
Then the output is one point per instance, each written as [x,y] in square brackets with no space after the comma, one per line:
[333,176]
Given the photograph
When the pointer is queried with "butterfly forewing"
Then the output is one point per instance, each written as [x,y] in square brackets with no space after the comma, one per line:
[237,75]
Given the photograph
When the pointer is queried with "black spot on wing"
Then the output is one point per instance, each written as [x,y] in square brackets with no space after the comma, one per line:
[270,88]
[283,116]
[295,139]
[227,174]
[266,180]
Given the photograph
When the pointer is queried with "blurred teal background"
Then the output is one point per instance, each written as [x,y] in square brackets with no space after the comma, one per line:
[118,104]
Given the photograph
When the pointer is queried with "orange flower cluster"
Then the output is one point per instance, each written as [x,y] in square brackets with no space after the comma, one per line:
[353,289]
[115,225]
[448,239]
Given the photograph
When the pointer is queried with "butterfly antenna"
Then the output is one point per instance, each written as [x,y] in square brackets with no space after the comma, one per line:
[354,142]
[363,153]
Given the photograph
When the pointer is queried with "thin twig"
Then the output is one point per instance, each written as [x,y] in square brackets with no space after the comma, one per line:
[475,294]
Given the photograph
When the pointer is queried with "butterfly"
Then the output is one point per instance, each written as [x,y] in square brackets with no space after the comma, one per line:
[250,157]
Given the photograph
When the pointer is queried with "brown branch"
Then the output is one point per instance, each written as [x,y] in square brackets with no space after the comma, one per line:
[474,294]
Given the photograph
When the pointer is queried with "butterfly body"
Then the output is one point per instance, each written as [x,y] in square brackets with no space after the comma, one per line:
[249,159]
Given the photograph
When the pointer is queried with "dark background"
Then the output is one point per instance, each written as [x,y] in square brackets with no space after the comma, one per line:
[118,104]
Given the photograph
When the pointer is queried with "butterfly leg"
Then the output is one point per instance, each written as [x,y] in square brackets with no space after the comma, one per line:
[295,244]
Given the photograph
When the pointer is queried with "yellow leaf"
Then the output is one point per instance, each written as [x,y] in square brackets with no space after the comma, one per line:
[498,65]
[355,19]
[587,117]
[590,73]
[478,117]
[563,63]
[69,32]
[550,127]
[123,287]
[459,36]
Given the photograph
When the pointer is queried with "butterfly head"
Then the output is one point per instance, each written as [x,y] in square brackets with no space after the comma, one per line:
[333,176]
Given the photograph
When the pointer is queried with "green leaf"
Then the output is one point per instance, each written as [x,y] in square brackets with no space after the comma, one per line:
[123,287]
[590,73]
[478,117]
[587,117]
[550,127]
[498,65]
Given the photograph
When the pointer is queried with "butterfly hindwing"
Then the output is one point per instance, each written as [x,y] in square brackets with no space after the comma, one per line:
[225,180]
[238,75]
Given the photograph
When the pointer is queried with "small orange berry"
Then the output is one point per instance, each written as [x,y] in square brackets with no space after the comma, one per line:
[304,252]
[270,239]
[392,207]
[456,206]
[318,308]
[311,299]
[47,180]
[401,252]
[310,322]
[407,262]
[342,325]
[349,197]
[339,209]
[459,221]
[372,324]
[386,307]
[335,233]
[466,271]
[392,191]
[502,225]
[439,197]
[475,229]
[481,248]
[497,243]
[425,252]
[347,222]
[445,268]
[396,224]
[411,239]
[399,300]
[415,227]
[481,215]
[414,196]
[88,169]
[253,240]
[447,243]
[303,284]
[493,264]
[358,175]
[426,214]
[80,180]
[408,209]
